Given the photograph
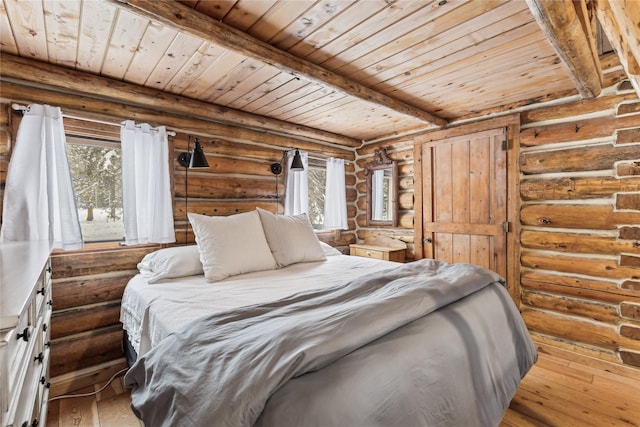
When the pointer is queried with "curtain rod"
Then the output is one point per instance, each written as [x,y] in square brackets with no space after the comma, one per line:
[23,108]
[286,150]
[346,162]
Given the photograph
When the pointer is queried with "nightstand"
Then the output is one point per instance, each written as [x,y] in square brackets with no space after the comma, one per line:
[377,252]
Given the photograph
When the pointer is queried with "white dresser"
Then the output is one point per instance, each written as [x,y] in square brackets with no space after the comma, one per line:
[25,314]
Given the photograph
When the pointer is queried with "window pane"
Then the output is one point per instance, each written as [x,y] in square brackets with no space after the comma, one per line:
[317,181]
[97,180]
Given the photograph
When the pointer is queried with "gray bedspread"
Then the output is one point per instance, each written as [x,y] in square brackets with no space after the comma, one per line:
[363,354]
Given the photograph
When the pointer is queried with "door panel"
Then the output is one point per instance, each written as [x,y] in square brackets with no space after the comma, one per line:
[464,199]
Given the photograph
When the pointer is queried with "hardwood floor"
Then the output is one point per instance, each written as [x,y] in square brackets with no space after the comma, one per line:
[556,392]
[109,408]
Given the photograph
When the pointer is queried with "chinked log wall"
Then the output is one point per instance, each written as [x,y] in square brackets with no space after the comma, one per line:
[580,221]
[88,284]
[580,243]
[402,152]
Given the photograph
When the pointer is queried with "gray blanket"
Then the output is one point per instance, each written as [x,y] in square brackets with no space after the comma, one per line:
[223,369]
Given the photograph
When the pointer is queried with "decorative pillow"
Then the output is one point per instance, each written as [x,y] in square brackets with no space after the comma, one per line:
[231,245]
[291,238]
[177,261]
[329,250]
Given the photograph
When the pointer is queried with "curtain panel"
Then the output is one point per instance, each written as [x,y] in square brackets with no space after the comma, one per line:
[146,188]
[335,200]
[296,197]
[39,201]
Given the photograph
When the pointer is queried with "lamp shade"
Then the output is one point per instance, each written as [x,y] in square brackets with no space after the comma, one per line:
[296,164]
[198,158]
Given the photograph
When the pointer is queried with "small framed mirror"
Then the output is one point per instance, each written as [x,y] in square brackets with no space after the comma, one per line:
[382,190]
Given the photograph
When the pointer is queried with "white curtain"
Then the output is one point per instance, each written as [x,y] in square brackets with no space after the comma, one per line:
[377,195]
[39,202]
[335,199]
[146,190]
[296,197]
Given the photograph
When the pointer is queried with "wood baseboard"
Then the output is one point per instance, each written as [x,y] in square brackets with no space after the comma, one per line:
[603,365]
[66,383]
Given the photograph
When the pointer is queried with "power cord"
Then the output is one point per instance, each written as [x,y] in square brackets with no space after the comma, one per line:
[67,396]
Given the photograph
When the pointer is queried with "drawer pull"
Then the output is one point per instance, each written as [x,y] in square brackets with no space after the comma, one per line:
[41,291]
[44,327]
[49,269]
[44,382]
[47,344]
[39,357]
[50,302]
[25,335]
[35,423]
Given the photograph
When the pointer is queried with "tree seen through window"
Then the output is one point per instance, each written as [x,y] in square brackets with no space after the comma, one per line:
[317,184]
[96,171]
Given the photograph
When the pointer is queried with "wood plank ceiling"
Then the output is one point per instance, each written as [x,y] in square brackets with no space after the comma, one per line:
[393,66]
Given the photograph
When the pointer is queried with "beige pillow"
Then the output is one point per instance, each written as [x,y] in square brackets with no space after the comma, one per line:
[231,245]
[169,263]
[291,238]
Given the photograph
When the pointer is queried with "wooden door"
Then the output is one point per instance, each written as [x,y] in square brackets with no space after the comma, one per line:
[464,199]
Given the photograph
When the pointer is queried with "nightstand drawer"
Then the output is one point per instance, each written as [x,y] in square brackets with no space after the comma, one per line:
[377,252]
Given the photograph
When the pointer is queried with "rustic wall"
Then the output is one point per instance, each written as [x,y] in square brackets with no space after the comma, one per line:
[581,226]
[88,284]
[580,239]
[239,179]
[400,151]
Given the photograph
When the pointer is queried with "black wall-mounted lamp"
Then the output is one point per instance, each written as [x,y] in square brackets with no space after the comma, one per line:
[191,160]
[296,164]
[277,167]
[194,160]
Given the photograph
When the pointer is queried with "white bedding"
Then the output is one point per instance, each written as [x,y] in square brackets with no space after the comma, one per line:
[150,312]
[424,343]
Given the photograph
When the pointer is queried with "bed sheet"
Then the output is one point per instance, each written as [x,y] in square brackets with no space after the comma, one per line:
[150,312]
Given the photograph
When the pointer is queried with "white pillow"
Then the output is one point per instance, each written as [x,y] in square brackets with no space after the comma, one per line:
[291,238]
[177,261]
[329,250]
[231,245]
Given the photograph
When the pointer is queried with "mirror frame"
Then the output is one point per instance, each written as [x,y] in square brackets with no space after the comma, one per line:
[381,161]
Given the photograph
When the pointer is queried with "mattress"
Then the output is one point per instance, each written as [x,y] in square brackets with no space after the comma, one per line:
[150,312]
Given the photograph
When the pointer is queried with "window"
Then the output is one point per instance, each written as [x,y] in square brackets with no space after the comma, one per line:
[317,182]
[97,181]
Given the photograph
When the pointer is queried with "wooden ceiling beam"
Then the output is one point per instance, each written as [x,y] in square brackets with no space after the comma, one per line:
[572,40]
[115,111]
[41,73]
[182,18]
[620,21]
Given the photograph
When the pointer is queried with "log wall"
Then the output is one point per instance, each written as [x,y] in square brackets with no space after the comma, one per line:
[580,247]
[580,221]
[400,151]
[88,284]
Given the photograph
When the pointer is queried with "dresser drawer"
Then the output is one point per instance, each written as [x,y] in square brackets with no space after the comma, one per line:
[377,252]
[23,400]
[19,342]
[43,289]
[367,253]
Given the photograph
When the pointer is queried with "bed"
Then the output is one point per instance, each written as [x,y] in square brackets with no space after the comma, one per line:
[335,341]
